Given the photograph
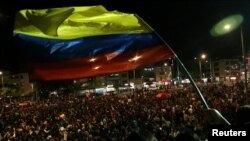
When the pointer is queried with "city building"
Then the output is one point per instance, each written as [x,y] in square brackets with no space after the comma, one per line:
[18,82]
[226,70]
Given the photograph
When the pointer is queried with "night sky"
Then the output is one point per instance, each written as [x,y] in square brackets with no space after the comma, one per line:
[185,25]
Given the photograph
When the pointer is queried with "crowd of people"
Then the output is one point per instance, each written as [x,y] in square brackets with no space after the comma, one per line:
[119,117]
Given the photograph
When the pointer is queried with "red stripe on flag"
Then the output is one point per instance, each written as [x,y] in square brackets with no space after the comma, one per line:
[98,65]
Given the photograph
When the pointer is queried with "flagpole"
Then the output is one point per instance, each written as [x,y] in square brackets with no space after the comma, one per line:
[198,92]
[180,62]
[244,61]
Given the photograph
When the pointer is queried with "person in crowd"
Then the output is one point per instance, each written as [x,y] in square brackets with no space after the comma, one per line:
[142,135]
[122,117]
[187,134]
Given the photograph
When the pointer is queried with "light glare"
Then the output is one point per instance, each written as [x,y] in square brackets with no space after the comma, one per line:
[227,27]
[92,60]
[135,58]
[96,68]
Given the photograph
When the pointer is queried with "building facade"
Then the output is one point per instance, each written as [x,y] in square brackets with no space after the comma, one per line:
[226,70]
[19,82]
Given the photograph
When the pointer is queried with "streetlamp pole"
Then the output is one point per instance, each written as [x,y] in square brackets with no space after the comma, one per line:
[172,68]
[244,60]
[202,57]
[200,69]
[1,73]
[134,59]
[210,69]
[134,76]
[227,25]
[2,81]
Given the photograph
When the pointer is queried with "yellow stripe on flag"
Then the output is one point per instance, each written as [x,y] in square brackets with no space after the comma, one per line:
[75,22]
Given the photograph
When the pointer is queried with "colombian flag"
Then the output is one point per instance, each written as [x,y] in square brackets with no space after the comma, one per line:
[79,42]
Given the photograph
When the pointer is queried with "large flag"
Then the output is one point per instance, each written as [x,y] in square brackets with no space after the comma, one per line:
[80,42]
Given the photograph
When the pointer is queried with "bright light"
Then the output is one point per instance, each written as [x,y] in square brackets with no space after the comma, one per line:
[135,58]
[227,27]
[203,56]
[185,81]
[96,68]
[92,60]
[233,78]
[204,80]
[1,73]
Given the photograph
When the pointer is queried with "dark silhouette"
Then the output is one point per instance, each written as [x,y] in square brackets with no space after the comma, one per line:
[243,115]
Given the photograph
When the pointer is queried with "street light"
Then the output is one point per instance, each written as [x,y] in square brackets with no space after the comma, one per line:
[202,57]
[1,73]
[227,25]
[134,59]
